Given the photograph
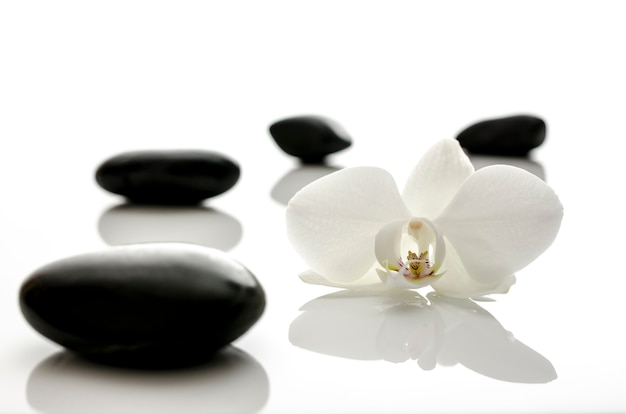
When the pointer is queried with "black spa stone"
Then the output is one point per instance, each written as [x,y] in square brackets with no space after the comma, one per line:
[510,136]
[152,305]
[310,138]
[169,177]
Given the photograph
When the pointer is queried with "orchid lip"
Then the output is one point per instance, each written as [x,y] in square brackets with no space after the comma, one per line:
[420,264]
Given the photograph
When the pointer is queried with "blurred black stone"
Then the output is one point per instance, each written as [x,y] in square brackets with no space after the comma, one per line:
[309,138]
[152,305]
[168,177]
[510,136]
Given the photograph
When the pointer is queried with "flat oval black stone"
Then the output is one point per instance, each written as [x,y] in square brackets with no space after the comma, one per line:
[310,138]
[152,305]
[511,136]
[168,176]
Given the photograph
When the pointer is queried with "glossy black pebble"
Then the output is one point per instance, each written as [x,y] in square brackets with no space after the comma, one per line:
[168,176]
[510,136]
[310,138]
[153,305]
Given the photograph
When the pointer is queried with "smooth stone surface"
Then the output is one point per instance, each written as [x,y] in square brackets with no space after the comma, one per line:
[152,305]
[310,138]
[510,136]
[172,177]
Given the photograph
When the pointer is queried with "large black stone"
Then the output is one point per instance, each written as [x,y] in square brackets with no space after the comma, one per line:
[510,136]
[310,138]
[153,305]
[168,176]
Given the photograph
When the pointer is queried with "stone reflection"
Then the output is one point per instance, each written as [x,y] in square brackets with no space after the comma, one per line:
[297,178]
[233,382]
[397,326]
[525,163]
[129,223]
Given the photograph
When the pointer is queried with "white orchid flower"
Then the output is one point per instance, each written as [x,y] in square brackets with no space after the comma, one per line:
[463,232]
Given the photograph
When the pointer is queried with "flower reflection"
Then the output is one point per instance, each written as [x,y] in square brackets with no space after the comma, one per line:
[397,326]
[66,383]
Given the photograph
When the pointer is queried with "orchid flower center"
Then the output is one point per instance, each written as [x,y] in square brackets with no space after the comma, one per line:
[418,265]
[411,254]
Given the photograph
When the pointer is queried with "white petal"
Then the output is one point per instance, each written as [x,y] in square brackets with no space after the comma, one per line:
[369,281]
[436,178]
[501,220]
[430,235]
[457,283]
[388,242]
[333,221]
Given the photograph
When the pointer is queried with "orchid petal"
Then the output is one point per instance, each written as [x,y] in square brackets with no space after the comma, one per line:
[457,282]
[388,242]
[435,238]
[436,178]
[333,221]
[501,219]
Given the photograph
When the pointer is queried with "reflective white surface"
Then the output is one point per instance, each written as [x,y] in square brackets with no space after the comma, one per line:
[214,388]
[80,82]
[400,326]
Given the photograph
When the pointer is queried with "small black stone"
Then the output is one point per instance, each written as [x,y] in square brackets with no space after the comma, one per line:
[174,177]
[510,136]
[152,305]
[310,138]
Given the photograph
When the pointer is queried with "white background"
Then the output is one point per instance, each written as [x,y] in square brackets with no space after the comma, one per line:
[82,81]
